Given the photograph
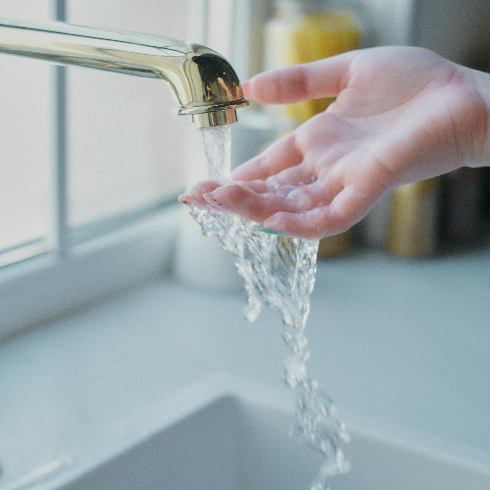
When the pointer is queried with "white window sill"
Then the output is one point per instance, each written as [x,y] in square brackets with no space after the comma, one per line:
[402,347]
[45,286]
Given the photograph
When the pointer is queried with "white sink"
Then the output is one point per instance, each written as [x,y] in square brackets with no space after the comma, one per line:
[232,443]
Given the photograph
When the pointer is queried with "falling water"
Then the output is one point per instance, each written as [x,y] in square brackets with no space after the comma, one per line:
[279,272]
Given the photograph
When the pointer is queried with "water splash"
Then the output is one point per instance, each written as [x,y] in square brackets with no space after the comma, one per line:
[278,272]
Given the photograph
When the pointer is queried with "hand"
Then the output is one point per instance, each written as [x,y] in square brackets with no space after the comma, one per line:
[401,115]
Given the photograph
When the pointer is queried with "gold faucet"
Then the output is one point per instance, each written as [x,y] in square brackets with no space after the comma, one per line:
[204,84]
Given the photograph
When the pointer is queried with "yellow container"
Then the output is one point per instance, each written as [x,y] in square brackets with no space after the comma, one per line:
[293,37]
[335,245]
[301,33]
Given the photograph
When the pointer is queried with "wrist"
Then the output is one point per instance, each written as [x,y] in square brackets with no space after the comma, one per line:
[482,148]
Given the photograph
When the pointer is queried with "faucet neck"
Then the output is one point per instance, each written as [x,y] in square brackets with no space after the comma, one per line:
[204,84]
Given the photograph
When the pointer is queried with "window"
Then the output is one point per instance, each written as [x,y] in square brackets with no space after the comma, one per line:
[90,162]
[24,139]
[124,141]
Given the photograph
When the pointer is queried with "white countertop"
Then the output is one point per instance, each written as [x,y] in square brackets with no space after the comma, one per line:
[403,348]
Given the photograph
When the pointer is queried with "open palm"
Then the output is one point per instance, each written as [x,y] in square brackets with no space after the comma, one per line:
[401,115]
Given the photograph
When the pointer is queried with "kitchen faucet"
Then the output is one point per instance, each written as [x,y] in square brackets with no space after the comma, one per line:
[204,84]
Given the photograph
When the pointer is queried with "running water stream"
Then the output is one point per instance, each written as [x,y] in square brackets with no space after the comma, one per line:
[279,272]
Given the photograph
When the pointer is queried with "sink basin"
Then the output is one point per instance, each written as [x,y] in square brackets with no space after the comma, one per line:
[230,442]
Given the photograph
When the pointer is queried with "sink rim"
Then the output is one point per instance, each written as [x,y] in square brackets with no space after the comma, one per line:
[167,412]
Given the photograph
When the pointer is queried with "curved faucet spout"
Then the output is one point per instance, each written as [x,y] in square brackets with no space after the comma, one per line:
[204,84]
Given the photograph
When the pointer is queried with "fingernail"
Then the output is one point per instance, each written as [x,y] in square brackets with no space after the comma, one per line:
[270,231]
[216,202]
[184,198]
[273,223]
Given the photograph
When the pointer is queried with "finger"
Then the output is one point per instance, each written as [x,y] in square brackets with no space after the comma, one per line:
[297,176]
[282,154]
[255,203]
[246,89]
[323,78]
[194,197]
[346,209]
[250,205]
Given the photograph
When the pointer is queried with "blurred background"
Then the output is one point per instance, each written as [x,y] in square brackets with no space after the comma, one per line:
[399,340]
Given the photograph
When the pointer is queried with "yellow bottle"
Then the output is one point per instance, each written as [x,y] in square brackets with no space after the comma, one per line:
[304,31]
[300,32]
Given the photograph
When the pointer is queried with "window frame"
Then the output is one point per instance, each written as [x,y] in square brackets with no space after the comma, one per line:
[73,267]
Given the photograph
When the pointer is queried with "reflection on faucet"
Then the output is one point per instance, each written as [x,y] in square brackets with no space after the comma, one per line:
[204,84]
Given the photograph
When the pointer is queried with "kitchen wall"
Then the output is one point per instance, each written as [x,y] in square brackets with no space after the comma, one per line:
[456,29]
